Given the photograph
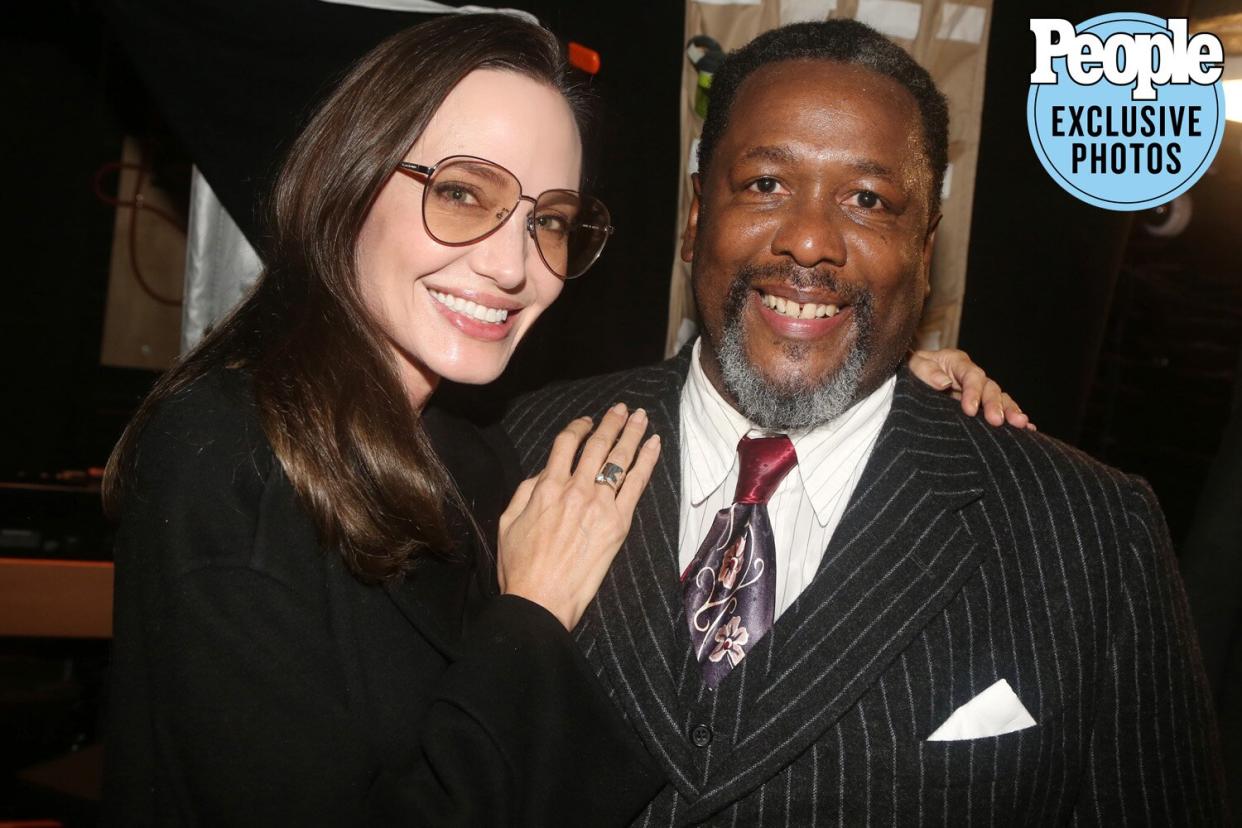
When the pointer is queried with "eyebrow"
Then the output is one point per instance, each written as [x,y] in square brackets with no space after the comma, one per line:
[768,152]
[783,154]
[483,170]
[869,167]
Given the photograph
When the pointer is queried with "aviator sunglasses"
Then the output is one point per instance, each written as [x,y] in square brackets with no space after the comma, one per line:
[466,199]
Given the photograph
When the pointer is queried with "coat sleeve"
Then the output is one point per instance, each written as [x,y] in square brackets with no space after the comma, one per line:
[1154,757]
[515,733]
[247,715]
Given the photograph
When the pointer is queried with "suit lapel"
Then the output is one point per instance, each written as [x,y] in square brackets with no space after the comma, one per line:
[899,554]
[635,622]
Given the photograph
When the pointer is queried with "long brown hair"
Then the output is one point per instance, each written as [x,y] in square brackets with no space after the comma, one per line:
[329,395]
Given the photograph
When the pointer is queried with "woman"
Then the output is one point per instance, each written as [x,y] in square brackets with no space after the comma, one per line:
[307,625]
[272,664]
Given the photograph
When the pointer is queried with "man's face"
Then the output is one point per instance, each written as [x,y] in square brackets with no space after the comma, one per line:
[810,237]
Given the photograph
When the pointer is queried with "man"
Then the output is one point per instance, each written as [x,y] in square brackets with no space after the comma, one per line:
[922,559]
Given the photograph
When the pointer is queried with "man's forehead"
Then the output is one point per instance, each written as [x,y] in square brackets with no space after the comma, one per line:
[792,152]
[825,106]
[822,83]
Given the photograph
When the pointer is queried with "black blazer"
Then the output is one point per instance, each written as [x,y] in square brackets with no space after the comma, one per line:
[256,682]
[966,555]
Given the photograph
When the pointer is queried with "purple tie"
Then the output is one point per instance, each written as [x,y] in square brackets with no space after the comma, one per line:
[730,586]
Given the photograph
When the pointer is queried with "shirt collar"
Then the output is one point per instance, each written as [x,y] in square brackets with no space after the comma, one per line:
[711,429]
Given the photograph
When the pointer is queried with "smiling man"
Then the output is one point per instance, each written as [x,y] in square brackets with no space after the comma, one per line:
[811,234]
[842,600]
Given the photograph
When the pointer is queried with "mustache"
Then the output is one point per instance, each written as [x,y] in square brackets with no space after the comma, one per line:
[797,276]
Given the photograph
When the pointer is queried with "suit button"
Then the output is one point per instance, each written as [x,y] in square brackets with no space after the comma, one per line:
[701,735]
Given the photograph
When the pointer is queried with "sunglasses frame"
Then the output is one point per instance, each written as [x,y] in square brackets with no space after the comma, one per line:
[423,174]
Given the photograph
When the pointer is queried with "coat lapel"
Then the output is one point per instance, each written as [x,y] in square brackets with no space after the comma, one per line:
[440,597]
[900,553]
[431,598]
[635,622]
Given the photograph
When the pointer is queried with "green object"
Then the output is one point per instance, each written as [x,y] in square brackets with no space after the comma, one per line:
[706,66]
[703,93]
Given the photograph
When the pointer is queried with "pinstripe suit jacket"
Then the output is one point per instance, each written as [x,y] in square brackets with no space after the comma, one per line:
[967,554]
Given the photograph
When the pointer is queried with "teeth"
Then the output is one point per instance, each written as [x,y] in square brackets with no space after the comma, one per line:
[807,310]
[472,309]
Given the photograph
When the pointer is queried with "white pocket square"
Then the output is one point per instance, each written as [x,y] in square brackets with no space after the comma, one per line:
[993,712]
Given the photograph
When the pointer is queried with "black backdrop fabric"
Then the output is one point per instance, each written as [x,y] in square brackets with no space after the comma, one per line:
[1042,264]
[58,130]
[237,80]
[1211,559]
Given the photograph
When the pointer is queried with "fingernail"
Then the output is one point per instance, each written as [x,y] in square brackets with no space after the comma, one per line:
[655,440]
[639,414]
[619,408]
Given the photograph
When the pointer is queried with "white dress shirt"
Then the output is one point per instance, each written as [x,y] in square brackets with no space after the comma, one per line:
[808,504]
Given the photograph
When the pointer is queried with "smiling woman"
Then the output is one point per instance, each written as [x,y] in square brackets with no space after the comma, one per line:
[419,241]
[310,625]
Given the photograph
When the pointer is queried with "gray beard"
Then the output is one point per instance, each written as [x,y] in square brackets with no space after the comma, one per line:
[801,402]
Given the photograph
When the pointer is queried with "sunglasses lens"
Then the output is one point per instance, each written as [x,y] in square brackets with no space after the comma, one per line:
[571,230]
[467,199]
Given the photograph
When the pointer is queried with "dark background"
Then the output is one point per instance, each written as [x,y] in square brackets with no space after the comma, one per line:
[1114,339]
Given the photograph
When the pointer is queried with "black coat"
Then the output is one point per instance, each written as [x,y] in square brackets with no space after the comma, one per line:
[256,682]
[967,554]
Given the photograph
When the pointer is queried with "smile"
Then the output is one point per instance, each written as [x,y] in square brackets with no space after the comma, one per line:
[794,310]
[493,316]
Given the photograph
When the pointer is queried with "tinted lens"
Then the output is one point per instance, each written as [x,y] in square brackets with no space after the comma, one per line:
[570,230]
[466,199]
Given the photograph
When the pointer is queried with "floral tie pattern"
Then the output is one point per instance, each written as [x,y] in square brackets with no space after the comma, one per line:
[730,586]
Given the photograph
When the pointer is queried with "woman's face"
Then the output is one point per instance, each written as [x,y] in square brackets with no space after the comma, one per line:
[411,282]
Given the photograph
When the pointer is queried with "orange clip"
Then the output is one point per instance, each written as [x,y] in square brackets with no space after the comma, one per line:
[580,57]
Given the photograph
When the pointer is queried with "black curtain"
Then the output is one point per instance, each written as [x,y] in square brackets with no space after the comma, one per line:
[1211,559]
[1042,264]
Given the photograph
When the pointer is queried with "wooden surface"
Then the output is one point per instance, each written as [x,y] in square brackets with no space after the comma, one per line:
[60,599]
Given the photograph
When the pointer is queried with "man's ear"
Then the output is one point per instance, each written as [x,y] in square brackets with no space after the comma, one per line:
[692,221]
[929,244]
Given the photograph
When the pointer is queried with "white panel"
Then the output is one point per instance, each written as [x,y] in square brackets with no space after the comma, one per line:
[799,11]
[895,18]
[220,265]
[692,163]
[961,22]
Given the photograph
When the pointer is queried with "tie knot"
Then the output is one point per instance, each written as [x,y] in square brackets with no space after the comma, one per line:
[763,463]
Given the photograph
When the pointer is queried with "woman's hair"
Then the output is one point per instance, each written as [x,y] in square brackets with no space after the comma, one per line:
[325,378]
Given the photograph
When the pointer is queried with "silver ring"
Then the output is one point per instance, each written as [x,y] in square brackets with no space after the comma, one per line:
[611,476]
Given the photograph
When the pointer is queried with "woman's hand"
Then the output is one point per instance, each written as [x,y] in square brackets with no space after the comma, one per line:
[952,369]
[563,528]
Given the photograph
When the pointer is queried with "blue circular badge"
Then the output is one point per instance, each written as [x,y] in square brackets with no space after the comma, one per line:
[1108,146]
